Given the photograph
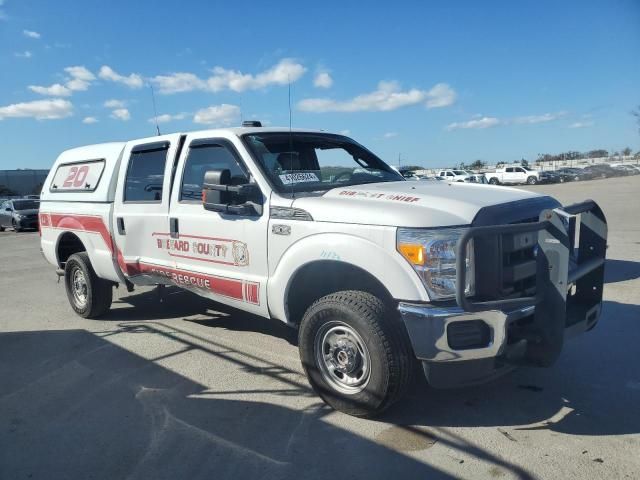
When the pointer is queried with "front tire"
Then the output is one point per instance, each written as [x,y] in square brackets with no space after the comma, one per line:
[355,353]
[532,180]
[89,295]
[15,226]
[494,181]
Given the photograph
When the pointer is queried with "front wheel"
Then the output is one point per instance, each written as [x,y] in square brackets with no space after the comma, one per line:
[89,295]
[532,180]
[494,181]
[355,353]
[15,226]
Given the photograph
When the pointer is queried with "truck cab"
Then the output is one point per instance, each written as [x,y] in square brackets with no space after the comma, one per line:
[311,228]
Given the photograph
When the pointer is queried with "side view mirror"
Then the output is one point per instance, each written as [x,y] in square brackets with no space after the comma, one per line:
[218,195]
[8,209]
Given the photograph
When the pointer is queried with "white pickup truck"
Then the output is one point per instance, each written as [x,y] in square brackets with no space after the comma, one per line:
[454,175]
[513,176]
[312,229]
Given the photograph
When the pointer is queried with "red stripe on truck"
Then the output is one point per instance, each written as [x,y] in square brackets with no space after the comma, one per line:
[91,224]
[228,287]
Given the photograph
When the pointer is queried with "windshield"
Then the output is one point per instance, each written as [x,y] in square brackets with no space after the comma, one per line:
[459,172]
[25,204]
[307,162]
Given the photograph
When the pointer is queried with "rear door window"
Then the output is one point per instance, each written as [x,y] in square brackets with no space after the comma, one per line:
[145,174]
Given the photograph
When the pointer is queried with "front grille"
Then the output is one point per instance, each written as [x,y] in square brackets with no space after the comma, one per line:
[506,263]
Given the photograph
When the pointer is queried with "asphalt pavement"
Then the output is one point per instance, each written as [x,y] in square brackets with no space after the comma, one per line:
[189,389]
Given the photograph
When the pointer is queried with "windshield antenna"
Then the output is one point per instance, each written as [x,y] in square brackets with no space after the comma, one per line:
[293,190]
[155,113]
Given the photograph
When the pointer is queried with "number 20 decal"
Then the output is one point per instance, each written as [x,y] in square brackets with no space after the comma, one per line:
[81,176]
[76,177]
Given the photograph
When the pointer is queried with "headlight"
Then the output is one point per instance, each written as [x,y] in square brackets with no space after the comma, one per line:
[432,254]
[19,216]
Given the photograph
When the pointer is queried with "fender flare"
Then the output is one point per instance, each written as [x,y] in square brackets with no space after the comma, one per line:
[395,274]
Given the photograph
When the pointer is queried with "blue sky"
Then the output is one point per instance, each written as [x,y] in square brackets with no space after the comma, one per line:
[437,82]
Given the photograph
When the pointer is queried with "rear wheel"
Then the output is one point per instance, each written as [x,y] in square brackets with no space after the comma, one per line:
[89,295]
[532,180]
[494,181]
[355,353]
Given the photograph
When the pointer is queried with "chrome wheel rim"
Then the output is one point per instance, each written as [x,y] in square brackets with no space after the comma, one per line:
[342,357]
[79,287]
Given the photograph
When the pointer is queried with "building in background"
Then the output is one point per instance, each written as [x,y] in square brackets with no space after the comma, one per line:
[17,183]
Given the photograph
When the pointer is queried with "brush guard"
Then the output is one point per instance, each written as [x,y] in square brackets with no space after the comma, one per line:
[569,262]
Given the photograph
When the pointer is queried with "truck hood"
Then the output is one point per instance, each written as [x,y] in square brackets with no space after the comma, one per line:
[408,204]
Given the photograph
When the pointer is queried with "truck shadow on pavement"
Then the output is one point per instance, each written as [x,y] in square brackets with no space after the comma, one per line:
[593,389]
[621,270]
[75,405]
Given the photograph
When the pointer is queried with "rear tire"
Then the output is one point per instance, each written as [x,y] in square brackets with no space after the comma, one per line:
[1,229]
[89,295]
[355,352]
[532,180]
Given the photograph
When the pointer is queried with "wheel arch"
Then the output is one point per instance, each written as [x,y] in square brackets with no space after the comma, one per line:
[67,244]
[354,263]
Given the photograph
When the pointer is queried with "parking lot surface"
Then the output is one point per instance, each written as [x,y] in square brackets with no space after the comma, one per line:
[190,389]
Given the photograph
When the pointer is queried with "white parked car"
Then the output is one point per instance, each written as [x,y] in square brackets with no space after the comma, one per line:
[312,229]
[453,175]
[513,176]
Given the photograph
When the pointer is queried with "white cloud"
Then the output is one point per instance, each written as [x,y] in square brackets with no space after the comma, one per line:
[79,72]
[482,122]
[132,81]
[50,109]
[532,119]
[78,79]
[55,90]
[121,114]
[89,120]
[25,54]
[165,118]
[388,96]
[224,114]
[113,103]
[179,82]
[390,134]
[582,124]
[441,95]
[323,80]
[282,73]
[31,34]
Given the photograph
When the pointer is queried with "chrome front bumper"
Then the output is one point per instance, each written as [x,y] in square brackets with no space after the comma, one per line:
[429,331]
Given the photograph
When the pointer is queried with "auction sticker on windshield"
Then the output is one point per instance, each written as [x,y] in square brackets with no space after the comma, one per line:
[303,177]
